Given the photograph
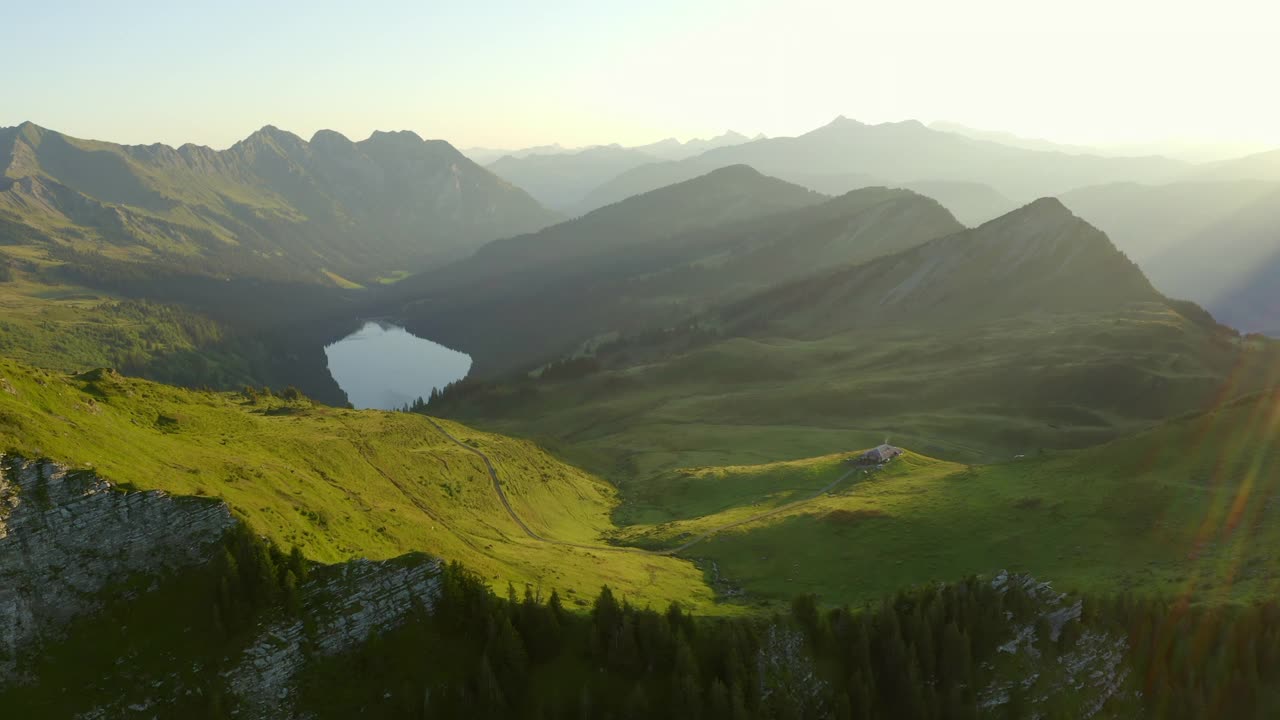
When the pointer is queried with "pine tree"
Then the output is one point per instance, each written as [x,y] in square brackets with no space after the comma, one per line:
[719,706]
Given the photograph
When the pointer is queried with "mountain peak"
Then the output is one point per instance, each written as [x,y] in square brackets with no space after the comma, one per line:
[909,126]
[732,172]
[273,134]
[30,131]
[841,121]
[329,136]
[1041,211]
[398,136]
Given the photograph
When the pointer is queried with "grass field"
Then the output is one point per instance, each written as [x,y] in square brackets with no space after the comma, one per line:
[975,395]
[341,483]
[344,484]
[1187,510]
[51,323]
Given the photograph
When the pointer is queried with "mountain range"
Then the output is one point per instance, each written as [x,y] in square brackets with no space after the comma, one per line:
[897,153]
[1030,331]
[561,178]
[673,395]
[1209,241]
[273,205]
[1187,150]
[655,259]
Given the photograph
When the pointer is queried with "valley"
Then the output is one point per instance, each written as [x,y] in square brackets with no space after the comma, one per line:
[332,428]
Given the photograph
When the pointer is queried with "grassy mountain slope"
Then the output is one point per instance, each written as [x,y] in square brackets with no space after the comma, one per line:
[898,153]
[340,484]
[581,284]
[523,299]
[1191,503]
[1029,332]
[1039,258]
[273,205]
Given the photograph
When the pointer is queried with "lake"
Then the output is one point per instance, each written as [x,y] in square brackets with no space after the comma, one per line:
[386,367]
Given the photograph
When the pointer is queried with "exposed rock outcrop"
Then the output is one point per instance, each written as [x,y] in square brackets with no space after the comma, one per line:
[67,536]
[343,605]
[1090,669]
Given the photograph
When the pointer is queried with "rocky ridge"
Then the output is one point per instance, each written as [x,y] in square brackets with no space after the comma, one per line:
[342,608]
[67,536]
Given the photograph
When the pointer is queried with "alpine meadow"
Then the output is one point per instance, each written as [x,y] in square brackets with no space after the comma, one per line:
[694,361]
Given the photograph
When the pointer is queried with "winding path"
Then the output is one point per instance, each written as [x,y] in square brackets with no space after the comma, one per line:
[502,496]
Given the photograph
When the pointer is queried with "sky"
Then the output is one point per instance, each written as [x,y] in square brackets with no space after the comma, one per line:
[519,73]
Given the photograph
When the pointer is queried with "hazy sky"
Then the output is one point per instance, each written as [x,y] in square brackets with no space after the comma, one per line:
[512,73]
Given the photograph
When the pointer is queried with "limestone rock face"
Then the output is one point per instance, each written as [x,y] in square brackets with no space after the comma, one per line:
[67,536]
[344,604]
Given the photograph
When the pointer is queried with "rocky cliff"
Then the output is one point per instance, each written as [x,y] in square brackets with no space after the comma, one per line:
[342,607]
[67,536]
[69,540]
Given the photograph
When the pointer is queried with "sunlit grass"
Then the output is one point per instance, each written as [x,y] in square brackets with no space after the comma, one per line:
[342,484]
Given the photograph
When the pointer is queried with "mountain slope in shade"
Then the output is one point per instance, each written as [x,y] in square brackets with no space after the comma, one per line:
[519,298]
[896,153]
[1146,221]
[1039,258]
[1213,243]
[272,205]
[1232,266]
[526,300]
[727,195]
[1031,331]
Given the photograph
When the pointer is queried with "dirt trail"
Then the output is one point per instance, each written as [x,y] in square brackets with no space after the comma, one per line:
[502,496]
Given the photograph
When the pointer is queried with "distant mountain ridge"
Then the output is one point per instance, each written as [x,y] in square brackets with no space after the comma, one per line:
[271,205]
[896,154]
[560,178]
[1209,241]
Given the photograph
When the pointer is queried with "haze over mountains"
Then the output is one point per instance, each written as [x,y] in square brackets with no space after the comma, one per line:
[560,178]
[894,153]
[1032,328]
[1208,237]
[1188,150]
[271,205]
[656,259]
[704,361]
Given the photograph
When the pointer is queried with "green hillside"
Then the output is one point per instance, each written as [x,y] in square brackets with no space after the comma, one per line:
[1029,333]
[654,261]
[1185,510]
[342,484]
[271,206]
